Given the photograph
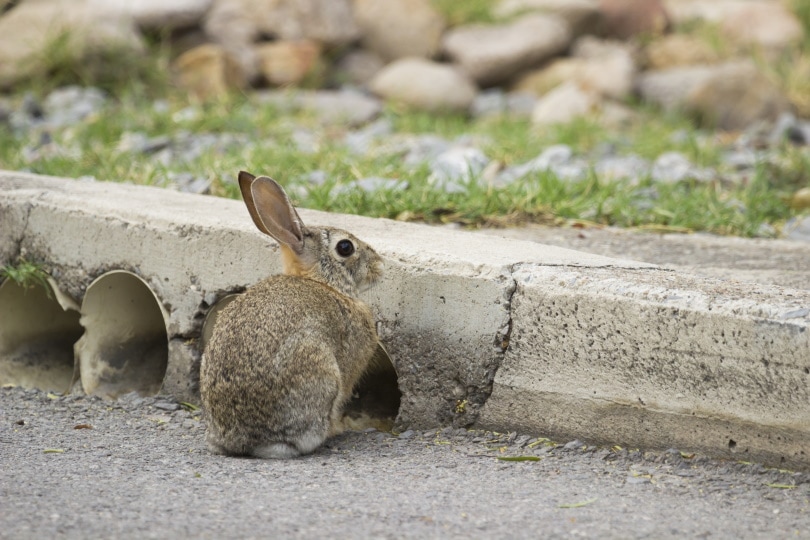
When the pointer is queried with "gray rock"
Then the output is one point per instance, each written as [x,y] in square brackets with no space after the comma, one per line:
[495,101]
[669,88]
[425,85]
[456,167]
[189,183]
[491,54]
[736,95]
[345,107]
[573,445]
[360,141]
[674,167]
[160,14]
[798,229]
[71,104]
[415,150]
[631,167]
[166,406]
[557,159]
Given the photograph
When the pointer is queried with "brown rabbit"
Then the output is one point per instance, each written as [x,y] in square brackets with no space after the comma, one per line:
[284,357]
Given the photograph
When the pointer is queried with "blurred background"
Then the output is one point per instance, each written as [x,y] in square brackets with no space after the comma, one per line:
[665,115]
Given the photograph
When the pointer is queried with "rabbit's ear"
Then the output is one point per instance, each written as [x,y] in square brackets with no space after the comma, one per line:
[271,210]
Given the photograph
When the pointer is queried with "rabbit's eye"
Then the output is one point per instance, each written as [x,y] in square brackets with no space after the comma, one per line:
[344,248]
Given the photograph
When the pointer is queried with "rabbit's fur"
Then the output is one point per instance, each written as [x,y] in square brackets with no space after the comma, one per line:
[284,357]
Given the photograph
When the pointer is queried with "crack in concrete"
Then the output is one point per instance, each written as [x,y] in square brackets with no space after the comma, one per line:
[501,343]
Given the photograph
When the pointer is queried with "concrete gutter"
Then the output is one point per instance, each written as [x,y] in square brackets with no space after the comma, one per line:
[484,331]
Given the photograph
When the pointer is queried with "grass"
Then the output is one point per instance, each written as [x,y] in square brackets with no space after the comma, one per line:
[269,149]
[26,274]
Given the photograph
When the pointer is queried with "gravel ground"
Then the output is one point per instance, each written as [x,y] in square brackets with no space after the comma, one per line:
[80,467]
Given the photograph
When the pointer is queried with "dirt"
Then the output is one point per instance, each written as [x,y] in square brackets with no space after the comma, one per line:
[81,467]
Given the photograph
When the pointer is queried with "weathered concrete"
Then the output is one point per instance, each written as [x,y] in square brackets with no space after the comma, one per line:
[577,345]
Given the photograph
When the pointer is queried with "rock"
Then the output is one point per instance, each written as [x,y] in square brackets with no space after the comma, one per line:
[674,167]
[623,19]
[452,169]
[399,28]
[734,96]
[676,50]
[497,102]
[669,88]
[370,185]
[237,24]
[70,105]
[357,67]
[424,84]
[80,30]
[208,71]
[360,141]
[798,229]
[329,22]
[155,15]
[557,159]
[565,103]
[766,24]
[345,107]
[631,167]
[607,66]
[801,199]
[581,15]
[491,54]
[284,63]
[543,80]
[604,67]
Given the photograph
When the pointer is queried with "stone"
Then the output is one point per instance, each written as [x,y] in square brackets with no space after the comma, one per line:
[357,67]
[614,168]
[565,103]
[329,22]
[370,185]
[237,24]
[495,102]
[605,67]
[208,71]
[457,166]
[361,140]
[284,63]
[30,31]
[542,80]
[159,14]
[492,54]
[676,50]
[734,96]
[557,159]
[70,105]
[669,88]
[767,24]
[399,28]
[798,229]
[674,167]
[345,107]
[425,85]
[582,15]
[623,19]
[801,199]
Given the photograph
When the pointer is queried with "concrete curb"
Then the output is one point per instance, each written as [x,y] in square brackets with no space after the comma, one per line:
[496,333]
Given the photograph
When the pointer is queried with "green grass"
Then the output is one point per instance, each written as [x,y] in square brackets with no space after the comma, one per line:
[26,274]
[714,207]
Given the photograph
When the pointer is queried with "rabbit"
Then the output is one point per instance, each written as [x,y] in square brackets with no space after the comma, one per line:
[284,357]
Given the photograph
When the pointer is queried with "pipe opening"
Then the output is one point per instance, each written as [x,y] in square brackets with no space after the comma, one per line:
[38,327]
[376,398]
[211,318]
[125,346]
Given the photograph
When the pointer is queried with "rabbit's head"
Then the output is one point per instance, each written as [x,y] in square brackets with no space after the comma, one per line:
[325,254]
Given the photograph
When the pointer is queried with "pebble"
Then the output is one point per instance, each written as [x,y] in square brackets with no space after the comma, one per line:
[370,185]
[452,169]
[576,444]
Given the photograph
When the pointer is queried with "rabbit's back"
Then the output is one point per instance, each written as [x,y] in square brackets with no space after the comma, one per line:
[283,357]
